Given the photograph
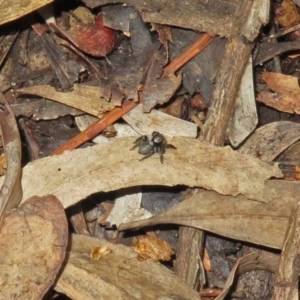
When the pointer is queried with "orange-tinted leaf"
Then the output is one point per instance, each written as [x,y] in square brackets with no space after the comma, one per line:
[99,252]
[287,92]
[287,14]
[153,247]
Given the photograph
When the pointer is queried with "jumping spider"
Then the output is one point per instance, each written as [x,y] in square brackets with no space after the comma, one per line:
[157,144]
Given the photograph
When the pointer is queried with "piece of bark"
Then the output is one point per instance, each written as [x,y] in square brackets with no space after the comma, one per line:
[117,275]
[78,221]
[33,241]
[193,238]
[232,68]
[286,282]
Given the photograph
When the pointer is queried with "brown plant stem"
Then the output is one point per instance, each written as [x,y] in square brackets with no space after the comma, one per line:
[96,128]
[227,84]
[203,41]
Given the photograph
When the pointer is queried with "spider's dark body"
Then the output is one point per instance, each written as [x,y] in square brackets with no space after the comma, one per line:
[157,144]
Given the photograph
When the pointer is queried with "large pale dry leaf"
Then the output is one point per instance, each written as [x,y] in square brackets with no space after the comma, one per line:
[11,10]
[286,96]
[158,121]
[11,190]
[235,217]
[268,141]
[33,241]
[75,175]
[117,275]
[145,124]
[286,282]
[83,97]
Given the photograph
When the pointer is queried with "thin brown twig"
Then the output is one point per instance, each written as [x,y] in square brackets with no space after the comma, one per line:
[282,32]
[96,128]
[203,41]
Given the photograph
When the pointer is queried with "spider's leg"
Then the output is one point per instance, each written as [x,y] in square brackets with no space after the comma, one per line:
[140,139]
[135,146]
[160,150]
[169,146]
[147,155]
[161,158]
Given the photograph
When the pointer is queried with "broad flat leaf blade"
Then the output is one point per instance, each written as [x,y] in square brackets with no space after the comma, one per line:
[112,166]
[235,217]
